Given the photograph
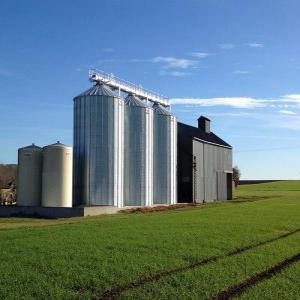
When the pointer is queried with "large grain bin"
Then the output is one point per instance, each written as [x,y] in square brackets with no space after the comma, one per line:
[98,147]
[29,176]
[138,152]
[164,156]
[57,176]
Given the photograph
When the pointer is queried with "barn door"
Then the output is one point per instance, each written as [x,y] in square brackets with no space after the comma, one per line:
[221,185]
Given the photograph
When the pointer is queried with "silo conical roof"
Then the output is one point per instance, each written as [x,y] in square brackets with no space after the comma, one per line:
[98,90]
[132,100]
[32,146]
[159,109]
[57,144]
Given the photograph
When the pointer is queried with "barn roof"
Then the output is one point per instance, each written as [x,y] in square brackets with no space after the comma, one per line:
[194,132]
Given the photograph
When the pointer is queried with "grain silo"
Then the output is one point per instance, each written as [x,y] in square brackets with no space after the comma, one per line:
[138,152]
[164,156]
[29,176]
[57,176]
[98,147]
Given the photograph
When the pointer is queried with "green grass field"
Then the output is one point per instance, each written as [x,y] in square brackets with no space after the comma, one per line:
[82,258]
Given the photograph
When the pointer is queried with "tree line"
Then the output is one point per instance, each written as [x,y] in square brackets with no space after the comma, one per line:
[8,175]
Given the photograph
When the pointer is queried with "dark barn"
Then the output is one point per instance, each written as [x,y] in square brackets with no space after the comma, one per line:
[204,164]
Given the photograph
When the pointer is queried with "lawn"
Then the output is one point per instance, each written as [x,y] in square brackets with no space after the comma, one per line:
[83,258]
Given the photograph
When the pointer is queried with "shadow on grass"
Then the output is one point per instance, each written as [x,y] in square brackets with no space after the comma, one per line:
[254,198]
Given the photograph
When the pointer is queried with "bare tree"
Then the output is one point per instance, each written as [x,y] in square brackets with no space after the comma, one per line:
[8,175]
[236,175]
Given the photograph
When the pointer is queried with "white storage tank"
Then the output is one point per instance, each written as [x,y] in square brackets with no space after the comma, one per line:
[57,176]
[29,176]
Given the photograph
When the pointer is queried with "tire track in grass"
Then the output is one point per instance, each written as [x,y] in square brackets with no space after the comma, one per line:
[116,292]
[240,288]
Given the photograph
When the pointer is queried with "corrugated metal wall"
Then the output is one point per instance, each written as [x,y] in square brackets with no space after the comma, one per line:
[221,185]
[138,153]
[101,142]
[198,172]
[98,150]
[164,158]
[210,160]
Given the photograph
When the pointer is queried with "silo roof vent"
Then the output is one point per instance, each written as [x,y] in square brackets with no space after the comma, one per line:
[98,90]
[32,146]
[57,144]
[159,109]
[132,100]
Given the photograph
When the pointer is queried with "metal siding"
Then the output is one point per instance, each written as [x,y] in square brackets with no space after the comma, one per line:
[118,153]
[221,186]
[137,155]
[209,173]
[173,161]
[164,159]
[149,157]
[198,172]
[97,152]
[210,160]
[75,143]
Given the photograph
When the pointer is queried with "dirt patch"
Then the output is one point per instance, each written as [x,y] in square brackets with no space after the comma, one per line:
[240,288]
[116,292]
[159,208]
[147,209]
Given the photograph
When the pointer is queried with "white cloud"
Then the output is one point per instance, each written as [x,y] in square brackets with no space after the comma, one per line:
[287,122]
[173,73]
[241,72]
[281,103]
[256,45]
[200,54]
[227,46]
[242,102]
[265,137]
[292,98]
[287,112]
[230,114]
[172,62]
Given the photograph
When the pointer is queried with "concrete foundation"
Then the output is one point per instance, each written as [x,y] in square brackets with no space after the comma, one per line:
[55,212]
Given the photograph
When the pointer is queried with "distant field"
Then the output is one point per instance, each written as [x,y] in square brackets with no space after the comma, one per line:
[215,251]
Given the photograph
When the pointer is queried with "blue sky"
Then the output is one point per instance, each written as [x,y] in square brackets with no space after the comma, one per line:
[237,62]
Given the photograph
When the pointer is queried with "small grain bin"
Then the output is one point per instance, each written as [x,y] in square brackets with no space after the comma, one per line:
[57,176]
[138,152]
[29,176]
[164,156]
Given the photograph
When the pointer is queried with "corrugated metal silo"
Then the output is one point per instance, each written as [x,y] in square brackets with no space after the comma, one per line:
[29,176]
[164,156]
[57,176]
[98,147]
[138,152]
